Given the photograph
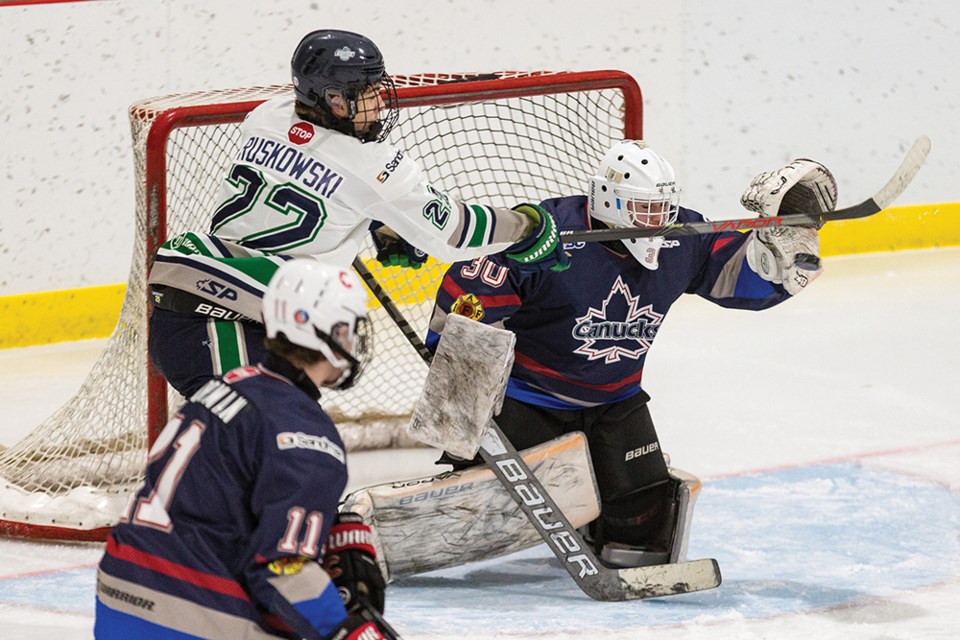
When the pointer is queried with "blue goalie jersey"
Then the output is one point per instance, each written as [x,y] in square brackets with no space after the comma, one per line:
[583,334]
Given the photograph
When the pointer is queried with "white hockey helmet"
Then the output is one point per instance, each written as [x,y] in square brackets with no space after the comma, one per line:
[322,307]
[635,187]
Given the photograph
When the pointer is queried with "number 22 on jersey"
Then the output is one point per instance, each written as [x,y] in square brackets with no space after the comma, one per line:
[304,213]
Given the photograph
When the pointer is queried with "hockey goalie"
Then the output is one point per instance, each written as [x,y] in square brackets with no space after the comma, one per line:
[582,334]
[467,514]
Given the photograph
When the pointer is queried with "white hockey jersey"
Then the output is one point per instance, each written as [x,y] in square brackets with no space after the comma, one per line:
[299,189]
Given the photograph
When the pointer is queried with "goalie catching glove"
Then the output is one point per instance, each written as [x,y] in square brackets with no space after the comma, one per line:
[351,562]
[789,256]
[394,251]
[542,248]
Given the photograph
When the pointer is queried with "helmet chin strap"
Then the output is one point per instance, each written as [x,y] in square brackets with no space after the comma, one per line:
[348,373]
[645,250]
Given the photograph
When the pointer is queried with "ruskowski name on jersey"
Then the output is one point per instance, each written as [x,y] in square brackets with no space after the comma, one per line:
[282,158]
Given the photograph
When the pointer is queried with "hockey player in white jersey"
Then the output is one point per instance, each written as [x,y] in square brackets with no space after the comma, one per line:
[311,175]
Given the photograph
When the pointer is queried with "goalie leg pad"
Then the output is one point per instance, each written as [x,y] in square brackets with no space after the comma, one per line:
[465,516]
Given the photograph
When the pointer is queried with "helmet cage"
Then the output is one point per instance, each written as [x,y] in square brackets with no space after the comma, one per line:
[348,349]
[640,208]
[321,307]
[634,187]
[339,64]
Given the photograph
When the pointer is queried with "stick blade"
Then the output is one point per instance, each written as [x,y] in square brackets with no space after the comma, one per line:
[669,579]
[911,164]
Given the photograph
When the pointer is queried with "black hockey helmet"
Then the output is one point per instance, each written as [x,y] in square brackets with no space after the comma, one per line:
[330,63]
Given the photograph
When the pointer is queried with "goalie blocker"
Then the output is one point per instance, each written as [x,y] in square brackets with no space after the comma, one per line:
[465,516]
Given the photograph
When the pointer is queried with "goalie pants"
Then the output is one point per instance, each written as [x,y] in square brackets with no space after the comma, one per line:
[636,490]
[190,349]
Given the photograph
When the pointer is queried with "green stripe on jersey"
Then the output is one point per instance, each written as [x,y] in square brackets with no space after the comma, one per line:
[191,244]
[259,269]
[229,349]
[481,224]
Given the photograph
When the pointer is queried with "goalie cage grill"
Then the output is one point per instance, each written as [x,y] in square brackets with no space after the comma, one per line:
[502,138]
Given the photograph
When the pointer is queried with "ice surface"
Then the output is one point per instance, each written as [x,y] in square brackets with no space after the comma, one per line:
[826,434]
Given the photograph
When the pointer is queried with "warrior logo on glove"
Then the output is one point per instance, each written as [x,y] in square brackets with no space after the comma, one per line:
[351,562]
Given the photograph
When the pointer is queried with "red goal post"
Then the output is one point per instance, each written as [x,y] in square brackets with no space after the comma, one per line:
[499,138]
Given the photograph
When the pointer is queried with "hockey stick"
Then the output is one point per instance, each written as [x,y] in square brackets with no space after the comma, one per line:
[596,580]
[881,200]
[369,612]
[384,299]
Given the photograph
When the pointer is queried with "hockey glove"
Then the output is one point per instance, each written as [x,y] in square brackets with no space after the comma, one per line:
[394,251]
[356,627]
[789,256]
[542,248]
[351,562]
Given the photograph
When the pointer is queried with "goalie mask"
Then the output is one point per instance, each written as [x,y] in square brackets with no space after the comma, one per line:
[321,307]
[331,64]
[635,187]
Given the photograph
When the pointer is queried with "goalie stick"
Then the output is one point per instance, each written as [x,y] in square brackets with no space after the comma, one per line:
[592,577]
[879,201]
[370,613]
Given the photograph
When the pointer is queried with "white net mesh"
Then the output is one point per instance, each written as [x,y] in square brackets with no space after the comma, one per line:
[520,137]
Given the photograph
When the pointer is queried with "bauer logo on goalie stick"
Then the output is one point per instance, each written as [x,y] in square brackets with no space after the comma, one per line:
[564,540]
[468,306]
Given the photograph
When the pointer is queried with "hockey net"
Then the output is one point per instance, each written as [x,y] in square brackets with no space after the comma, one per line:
[499,138]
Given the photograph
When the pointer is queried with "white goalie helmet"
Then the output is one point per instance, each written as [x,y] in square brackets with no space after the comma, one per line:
[635,187]
[321,307]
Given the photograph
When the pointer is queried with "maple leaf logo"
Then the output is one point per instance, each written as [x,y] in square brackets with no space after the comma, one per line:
[612,339]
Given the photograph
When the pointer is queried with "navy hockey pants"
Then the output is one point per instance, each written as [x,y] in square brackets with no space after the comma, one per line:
[636,492]
[190,349]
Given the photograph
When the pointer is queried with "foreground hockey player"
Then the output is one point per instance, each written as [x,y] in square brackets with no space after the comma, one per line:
[582,335]
[311,175]
[239,505]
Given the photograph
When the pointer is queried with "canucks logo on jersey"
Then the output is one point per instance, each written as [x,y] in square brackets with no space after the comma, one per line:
[605,335]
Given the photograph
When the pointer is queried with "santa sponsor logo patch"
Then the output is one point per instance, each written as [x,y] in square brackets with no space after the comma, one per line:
[301,440]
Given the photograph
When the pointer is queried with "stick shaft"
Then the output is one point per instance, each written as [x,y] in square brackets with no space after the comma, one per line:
[882,199]
[384,299]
